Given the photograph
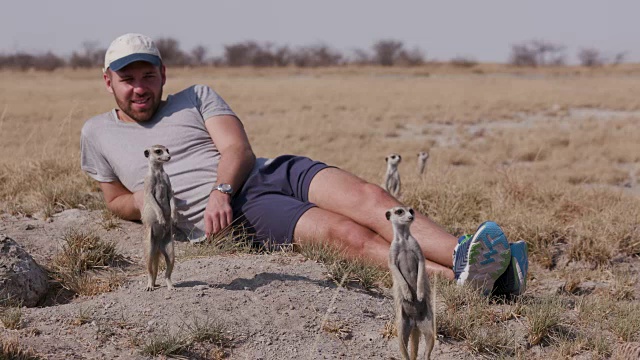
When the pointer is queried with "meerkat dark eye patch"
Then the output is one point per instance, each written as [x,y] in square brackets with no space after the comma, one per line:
[411,211]
[399,212]
[158,152]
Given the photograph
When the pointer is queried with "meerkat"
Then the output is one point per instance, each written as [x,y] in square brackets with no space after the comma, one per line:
[412,294]
[158,216]
[626,351]
[423,156]
[392,176]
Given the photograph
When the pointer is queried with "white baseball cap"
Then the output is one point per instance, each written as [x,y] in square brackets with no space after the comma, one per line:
[129,48]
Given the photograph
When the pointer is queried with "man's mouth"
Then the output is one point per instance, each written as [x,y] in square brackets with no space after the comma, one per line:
[141,102]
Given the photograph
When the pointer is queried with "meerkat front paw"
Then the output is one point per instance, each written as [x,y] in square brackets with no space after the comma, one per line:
[406,294]
[149,288]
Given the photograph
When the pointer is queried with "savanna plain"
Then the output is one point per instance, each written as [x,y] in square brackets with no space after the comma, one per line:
[552,155]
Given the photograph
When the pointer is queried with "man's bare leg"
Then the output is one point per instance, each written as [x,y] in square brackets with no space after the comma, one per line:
[321,226]
[340,192]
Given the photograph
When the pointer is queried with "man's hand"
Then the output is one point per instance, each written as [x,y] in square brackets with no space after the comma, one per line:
[218,213]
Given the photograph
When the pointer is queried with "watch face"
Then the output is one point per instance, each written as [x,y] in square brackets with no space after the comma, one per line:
[225,188]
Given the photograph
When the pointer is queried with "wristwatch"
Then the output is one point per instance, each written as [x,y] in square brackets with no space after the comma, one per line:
[224,188]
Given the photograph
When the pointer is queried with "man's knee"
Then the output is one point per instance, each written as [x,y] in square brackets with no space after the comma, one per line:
[374,194]
[348,231]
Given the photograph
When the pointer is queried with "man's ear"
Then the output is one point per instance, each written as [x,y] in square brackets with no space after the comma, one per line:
[146,153]
[163,74]
[107,80]
[388,214]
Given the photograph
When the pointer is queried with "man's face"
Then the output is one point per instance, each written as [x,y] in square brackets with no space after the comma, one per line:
[137,89]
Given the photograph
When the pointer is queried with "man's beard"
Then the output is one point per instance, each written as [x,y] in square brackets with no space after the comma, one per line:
[139,116]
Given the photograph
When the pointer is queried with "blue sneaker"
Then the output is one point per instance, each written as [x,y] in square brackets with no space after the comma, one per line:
[481,259]
[514,279]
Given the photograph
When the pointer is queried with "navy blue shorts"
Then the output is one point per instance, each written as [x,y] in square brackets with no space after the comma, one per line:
[273,199]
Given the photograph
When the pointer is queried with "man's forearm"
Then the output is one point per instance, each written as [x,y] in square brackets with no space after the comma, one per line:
[124,206]
[235,165]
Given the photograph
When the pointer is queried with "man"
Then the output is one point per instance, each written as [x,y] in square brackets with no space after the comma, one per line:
[217,178]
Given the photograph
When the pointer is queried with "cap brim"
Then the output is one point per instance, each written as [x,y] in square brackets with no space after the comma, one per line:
[122,62]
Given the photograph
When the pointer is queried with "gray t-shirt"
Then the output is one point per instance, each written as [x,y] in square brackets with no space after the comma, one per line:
[114,150]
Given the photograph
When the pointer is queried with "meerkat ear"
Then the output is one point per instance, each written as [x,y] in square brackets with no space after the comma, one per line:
[388,214]
[386,158]
[146,153]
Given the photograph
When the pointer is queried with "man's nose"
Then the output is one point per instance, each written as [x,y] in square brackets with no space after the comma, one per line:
[139,87]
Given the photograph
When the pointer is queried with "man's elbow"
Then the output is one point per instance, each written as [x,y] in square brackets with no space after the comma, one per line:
[121,211]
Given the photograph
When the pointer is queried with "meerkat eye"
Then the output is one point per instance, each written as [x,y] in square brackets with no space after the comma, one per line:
[167,150]
[399,212]
[411,211]
[158,152]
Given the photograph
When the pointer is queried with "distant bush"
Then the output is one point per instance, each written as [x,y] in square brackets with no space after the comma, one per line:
[316,55]
[537,53]
[463,61]
[590,57]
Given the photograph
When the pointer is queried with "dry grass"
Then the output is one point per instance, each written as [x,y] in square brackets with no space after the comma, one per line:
[85,264]
[343,270]
[11,349]
[529,149]
[195,337]
[11,317]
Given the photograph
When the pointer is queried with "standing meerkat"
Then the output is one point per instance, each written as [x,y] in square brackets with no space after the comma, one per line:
[412,294]
[423,156]
[158,215]
[392,176]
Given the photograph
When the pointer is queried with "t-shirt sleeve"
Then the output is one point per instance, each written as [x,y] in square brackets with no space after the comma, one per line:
[209,103]
[93,162]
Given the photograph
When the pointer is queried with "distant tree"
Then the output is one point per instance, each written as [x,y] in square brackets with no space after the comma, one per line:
[198,55]
[240,54]
[413,57]
[170,51]
[386,52]
[361,57]
[548,52]
[48,62]
[90,56]
[619,57]
[463,61]
[315,56]
[282,56]
[537,53]
[590,57]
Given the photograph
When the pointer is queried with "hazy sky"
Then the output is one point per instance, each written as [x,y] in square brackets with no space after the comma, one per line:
[443,29]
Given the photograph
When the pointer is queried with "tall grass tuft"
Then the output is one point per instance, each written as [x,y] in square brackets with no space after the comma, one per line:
[83,253]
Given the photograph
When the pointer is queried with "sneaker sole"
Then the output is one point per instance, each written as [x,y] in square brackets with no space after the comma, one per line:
[514,279]
[489,257]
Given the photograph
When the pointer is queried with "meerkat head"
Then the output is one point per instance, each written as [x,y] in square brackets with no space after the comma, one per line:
[423,155]
[393,159]
[400,214]
[157,153]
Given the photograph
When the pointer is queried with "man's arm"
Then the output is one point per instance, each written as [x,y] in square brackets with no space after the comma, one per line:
[121,201]
[237,160]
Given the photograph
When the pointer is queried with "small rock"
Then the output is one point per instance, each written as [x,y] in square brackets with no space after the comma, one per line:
[29,227]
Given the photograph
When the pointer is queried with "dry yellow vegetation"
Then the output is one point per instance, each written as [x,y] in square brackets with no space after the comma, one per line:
[552,155]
